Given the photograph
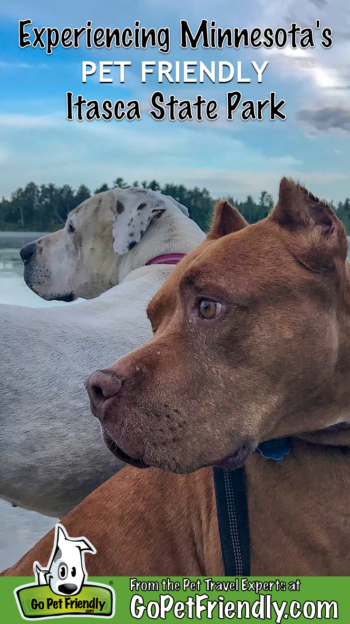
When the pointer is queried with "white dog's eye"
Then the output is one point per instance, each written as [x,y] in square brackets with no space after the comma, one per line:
[62,571]
[70,228]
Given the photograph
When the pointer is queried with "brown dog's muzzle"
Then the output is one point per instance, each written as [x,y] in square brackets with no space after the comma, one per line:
[102,385]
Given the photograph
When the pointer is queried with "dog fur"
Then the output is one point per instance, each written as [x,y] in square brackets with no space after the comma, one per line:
[52,453]
[272,361]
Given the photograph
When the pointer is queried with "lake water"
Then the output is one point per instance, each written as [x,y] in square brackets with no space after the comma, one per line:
[19,529]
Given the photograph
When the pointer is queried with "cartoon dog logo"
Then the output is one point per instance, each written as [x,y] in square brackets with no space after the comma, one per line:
[65,573]
[65,576]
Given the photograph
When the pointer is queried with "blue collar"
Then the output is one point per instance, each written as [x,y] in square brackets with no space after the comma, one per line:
[275,449]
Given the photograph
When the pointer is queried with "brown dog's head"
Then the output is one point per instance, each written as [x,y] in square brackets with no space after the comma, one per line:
[247,343]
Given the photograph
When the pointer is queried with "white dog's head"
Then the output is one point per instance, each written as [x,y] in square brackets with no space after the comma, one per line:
[79,260]
[66,571]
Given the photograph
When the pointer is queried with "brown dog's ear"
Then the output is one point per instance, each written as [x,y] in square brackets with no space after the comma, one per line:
[226,220]
[297,208]
[319,235]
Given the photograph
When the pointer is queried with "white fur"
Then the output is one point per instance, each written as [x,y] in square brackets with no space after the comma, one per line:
[66,572]
[51,450]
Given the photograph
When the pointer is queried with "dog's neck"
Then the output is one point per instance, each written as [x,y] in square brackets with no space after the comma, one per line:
[325,418]
[173,232]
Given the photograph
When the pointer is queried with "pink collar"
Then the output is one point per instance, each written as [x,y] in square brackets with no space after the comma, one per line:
[173,258]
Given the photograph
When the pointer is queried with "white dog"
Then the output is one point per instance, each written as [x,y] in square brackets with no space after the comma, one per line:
[52,453]
[66,572]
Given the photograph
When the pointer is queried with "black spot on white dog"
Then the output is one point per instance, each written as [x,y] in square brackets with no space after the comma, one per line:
[58,554]
[131,245]
[141,206]
[120,207]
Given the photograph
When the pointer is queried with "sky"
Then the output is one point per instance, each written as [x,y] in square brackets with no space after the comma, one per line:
[235,158]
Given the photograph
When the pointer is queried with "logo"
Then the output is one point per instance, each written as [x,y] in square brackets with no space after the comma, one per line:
[61,589]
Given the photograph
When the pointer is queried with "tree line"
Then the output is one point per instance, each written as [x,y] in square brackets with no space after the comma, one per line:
[45,207]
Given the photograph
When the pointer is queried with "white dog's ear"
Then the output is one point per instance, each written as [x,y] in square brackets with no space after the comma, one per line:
[82,543]
[134,210]
[62,536]
[180,206]
[42,575]
[85,546]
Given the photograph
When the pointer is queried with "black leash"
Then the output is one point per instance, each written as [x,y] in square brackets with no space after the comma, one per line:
[232,509]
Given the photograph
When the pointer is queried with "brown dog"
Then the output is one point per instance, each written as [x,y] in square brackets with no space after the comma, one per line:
[251,342]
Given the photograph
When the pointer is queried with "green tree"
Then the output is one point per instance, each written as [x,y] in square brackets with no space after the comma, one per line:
[46,207]
[82,194]
[120,183]
[48,214]
[343,212]
[101,189]
[24,202]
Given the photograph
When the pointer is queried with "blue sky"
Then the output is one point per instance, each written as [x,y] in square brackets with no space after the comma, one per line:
[312,145]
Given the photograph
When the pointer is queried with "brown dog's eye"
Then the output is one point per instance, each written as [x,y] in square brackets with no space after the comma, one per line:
[209,309]
[71,228]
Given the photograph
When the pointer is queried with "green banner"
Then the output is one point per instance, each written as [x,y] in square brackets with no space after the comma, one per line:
[275,600]
[39,601]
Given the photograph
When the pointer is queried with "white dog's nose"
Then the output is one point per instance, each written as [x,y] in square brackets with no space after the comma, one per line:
[28,251]
[67,588]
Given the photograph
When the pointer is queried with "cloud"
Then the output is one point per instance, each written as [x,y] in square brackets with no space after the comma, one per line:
[25,122]
[326,118]
[93,153]
[14,65]
[97,152]
[313,71]
[304,65]
[319,3]
[230,158]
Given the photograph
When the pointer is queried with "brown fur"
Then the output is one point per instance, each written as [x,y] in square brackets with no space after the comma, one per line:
[134,532]
[274,362]
[157,523]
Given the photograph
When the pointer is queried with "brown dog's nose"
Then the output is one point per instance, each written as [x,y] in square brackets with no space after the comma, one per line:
[102,385]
